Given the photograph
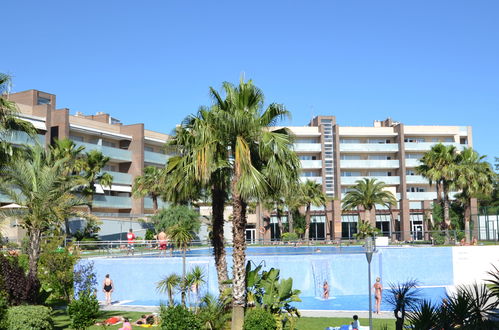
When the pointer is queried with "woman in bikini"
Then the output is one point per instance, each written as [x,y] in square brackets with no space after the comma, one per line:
[378,293]
[108,288]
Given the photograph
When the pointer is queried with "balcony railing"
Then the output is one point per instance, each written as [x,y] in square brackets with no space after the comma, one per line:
[416,179]
[155,157]
[369,163]
[113,153]
[412,163]
[316,179]
[314,147]
[121,178]
[148,204]
[115,202]
[425,146]
[369,147]
[311,163]
[18,137]
[423,196]
[350,180]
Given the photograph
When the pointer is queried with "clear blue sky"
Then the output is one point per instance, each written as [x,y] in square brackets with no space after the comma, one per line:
[419,62]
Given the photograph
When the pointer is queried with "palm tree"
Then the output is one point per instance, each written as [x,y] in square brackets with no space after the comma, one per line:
[37,183]
[9,121]
[403,297]
[473,177]
[311,194]
[368,193]
[169,285]
[181,236]
[261,161]
[196,279]
[439,167]
[201,164]
[151,184]
[94,164]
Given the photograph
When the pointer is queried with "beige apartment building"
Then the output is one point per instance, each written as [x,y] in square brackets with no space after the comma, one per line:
[332,155]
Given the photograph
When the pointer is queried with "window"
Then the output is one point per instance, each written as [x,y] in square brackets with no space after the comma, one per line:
[76,138]
[449,139]
[349,141]
[410,172]
[380,173]
[304,140]
[379,141]
[307,157]
[350,174]
[350,157]
[108,144]
[111,168]
[308,174]
[379,157]
[415,189]
[42,100]
[414,140]
[146,148]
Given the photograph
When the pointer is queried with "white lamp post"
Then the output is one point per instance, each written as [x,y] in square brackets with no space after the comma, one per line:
[370,249]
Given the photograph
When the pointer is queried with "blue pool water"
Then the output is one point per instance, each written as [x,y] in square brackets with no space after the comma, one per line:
[344,268]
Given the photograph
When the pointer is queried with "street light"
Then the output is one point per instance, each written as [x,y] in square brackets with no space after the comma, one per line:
[370,247]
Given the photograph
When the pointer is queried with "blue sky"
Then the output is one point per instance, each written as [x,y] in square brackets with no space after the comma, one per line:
[419,62]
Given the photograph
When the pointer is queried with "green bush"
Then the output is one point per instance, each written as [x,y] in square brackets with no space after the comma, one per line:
[83,311]
[259,319]
[4,305]
[29,317]
[178,318]
[149,235]
[286,237]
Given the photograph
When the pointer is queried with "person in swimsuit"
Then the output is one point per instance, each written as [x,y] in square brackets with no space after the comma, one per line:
[108,288]
[130,238]
[163,242]
[378,293]
[325,290]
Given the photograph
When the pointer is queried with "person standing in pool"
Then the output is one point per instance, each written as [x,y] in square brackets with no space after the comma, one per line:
[108,288]
[378,294]
[130,238]
[325,290]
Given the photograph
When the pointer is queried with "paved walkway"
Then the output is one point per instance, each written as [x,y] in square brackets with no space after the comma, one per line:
[307,313]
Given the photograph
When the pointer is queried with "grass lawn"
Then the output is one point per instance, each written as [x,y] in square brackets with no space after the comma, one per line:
[61,321]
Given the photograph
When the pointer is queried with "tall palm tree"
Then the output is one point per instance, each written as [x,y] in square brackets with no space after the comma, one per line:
[9,121]
[368,193]
[46,197]
[311,194]
[201,163]
[150,183]
[439,167]
[94,164]
[261,160]
[474,176]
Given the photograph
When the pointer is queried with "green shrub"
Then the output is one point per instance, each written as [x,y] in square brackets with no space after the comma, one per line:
[259,319]
[149,235]
[4,305]
[29,317]
[83,311]
[286,237]
[178,318]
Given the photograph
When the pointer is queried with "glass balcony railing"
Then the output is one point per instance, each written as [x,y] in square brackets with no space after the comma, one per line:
[18,137]
[311,163]
[369,147]
[113,153]
[155,157]
[369,163]
[425,146]
[315,147]
[121,178]
[148,204]
[423,196]
[416,179]
[115,202]
[351,180]
[316,179]
[412,162]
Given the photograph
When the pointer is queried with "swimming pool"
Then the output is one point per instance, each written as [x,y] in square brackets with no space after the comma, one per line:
[344,268]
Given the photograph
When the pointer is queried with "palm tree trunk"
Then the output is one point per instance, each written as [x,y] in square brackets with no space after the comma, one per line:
[446,222]
[279,222]
[290,221]
[239,257]
[217,238]
[439,192]
[184,288]
[34,254]
[467,220]
[307,223]
[155,203]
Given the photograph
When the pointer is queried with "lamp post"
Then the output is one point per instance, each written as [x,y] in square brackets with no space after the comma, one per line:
[370,249]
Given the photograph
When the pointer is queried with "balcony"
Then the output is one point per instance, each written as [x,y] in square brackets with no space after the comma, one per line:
[369,147]
[316,179]
[351,180]
[311,163]
[426,146]
[149,205]
[412,163]
[155,158]
[368,163]
[416,179]
[115,202]
[113,153]
[120,178]
[421,196]
[18,137]
[307,147]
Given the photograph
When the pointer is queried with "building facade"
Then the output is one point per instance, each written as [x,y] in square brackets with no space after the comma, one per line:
[332,155]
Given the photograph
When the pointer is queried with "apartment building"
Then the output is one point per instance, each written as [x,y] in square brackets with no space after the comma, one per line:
[129,147]
[337,156]
[332,155]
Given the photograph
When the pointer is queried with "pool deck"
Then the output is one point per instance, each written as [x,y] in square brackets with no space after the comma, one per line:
[116,306]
